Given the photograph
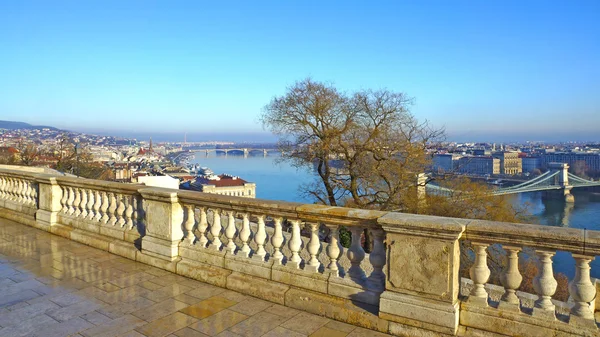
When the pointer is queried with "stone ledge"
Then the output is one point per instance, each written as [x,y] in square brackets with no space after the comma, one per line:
[257,287]
[203,272]
[300,278]
[358,314]
[516,323]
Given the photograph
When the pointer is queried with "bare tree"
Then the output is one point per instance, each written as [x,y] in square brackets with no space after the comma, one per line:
[367,148]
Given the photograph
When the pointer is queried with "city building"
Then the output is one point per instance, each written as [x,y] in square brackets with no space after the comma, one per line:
[444,162]
[479,165]
[223,184]
[530,164]
[591,160]
[510,163]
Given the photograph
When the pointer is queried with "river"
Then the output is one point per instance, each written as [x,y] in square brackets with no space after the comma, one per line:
[280,181]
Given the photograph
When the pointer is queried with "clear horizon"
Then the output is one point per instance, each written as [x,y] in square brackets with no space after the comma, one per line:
[493,71]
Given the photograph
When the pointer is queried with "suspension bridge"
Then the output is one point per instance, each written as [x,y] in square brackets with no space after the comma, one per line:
[556,178]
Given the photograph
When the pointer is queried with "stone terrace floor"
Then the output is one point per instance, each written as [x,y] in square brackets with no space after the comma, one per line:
[51,286]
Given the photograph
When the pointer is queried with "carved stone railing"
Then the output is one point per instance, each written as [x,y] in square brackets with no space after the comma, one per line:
[290,254]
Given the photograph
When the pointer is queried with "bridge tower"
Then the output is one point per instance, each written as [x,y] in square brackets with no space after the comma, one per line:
[246,153]
[563,180]
[265,152]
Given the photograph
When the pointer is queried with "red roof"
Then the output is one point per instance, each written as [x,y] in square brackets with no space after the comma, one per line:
[225,181]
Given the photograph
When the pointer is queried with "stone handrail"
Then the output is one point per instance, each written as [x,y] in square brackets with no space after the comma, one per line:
[279,251]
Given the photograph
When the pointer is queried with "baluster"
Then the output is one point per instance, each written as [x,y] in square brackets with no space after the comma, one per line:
[295,245]
[245,235]
[215,230]
[479,273]
[71,201]
[188,224]
[2,184]
[97,205]
[77,202]
[10,189]
[135,215]
[112,208]
[13,189]
[104,208]
[377,259]
[34,194]
[277,241]
[90,205]
[544,285]
[202,226]
[120,210]
[63,199]
[333,249]
[260,238]
[26,191]
[511,280]
[356,254]
[230,232]
[17,190]
[129,211]
[83,204]
[314,244]
[583,292]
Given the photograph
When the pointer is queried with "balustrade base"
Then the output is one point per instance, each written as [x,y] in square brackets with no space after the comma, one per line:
[495,321]
[252,267]
[300,278]
[577,321]
[544,313]
[419,312]
[160,248]
[363,315]
[478,301]
[203,272]
[347,288]
[209,256]
[257,287]
[507,306]
[45,219]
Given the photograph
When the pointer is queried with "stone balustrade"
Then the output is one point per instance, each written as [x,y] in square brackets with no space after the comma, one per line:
[290,253]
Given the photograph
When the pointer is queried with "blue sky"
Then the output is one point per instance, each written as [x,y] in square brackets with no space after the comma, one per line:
[485,70]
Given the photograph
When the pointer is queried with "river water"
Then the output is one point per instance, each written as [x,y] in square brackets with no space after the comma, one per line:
[280,181]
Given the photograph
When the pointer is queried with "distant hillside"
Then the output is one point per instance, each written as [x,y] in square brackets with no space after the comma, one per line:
[20,125]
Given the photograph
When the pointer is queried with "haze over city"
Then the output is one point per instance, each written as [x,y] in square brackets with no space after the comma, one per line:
[486,71]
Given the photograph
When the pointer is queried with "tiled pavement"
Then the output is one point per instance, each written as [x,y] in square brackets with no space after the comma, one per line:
[51,286]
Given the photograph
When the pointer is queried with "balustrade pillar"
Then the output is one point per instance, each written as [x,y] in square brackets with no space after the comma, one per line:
[90,205]
[260,239]
[71,200]
[480,274]
[583,292]
[245,235]
[314,245]
[511,280]
[544,285]
[120,213]
[112,208]
[377,259]
[163,218]
[295,245]
[334,249]
[104,207]
[356,254]
[83,204]
[277,241]
[77,202]
[49,198]
[188,224]
[230,232]
[202,226]
[97,205]
[215,230]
